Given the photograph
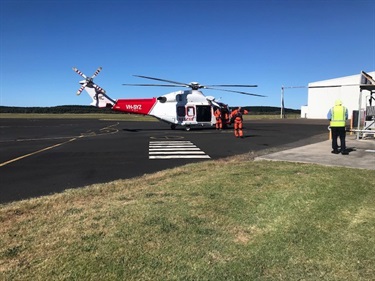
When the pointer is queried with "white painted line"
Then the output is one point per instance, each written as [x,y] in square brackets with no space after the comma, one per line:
[161,146]
[168,142]
[179,156]
[176,152]
[174,149]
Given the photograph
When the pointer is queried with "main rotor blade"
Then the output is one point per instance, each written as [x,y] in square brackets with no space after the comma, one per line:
[79,72]
[194,85]
[157,85]
[163,80]
[229,85]
[238,92]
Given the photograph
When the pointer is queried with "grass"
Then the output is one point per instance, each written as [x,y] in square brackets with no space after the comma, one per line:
[216,220]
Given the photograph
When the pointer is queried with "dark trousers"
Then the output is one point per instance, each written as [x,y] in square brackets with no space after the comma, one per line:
[338,132]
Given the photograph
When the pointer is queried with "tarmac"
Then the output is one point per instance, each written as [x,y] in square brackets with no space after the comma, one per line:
[361,154]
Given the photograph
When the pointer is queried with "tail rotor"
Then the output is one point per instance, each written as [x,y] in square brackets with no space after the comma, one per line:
[96,72]
[89,81]
[97,94]
[81,89]
[79,72]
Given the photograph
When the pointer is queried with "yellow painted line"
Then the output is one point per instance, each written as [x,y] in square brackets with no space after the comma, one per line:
[91,134]
[36,152]
[108,128]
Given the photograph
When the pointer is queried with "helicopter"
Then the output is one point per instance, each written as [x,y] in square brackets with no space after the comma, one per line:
[186,108]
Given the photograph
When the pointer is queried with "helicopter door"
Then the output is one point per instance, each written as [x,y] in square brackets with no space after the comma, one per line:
[203,113]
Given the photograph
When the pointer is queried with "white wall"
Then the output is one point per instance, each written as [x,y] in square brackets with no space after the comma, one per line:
[304,111]
[320,100]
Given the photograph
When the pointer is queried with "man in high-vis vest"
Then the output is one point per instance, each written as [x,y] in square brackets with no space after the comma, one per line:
[338,116]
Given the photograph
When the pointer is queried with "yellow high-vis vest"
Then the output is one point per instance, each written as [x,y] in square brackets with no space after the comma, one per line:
[338,116]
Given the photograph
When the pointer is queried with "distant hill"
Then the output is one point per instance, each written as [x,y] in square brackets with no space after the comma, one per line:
[265,110]
[56,109]
[268,110]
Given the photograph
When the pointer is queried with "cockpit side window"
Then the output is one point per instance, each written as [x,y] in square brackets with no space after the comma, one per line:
[190,111]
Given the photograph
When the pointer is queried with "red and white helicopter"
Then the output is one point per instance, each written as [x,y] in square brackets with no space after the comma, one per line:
[185,108]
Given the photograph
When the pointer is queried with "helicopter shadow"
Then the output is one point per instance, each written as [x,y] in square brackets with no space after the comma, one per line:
[143,130]
[178,129]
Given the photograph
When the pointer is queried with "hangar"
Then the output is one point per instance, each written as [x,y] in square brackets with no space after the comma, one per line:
[322,95]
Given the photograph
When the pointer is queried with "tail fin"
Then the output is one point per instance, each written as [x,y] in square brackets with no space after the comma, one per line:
[99,99]
[98,95]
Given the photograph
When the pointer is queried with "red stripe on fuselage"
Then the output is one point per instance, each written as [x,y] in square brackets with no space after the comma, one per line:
[135,106]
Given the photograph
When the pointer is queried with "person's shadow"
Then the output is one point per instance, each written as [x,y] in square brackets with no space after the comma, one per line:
[348,150]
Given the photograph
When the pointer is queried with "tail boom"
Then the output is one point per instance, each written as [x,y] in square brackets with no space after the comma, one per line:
[101,100]
[135,106]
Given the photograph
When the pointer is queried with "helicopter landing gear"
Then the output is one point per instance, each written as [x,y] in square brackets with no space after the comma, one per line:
[173,126]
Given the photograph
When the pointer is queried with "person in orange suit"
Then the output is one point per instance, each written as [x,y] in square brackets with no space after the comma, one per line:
[225,117]
[219,120]
[237,119]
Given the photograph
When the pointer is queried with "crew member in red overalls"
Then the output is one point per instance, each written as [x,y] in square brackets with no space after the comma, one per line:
[237,119]
[219,121]
[225,117]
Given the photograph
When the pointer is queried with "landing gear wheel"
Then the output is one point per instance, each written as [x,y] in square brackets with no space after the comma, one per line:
[173,126]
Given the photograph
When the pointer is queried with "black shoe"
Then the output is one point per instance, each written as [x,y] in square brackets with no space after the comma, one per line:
[344,152]
[335,151]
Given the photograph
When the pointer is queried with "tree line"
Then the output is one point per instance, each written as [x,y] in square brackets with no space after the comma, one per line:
[56,109]
[261,110]
[268,110]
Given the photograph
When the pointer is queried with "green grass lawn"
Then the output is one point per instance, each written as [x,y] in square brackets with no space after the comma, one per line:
[232,219]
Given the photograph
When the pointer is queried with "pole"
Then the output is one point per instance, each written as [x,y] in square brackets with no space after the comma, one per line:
[282,103]
[282,111]
[359,113]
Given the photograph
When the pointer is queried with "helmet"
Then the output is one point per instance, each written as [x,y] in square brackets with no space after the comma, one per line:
[338,102]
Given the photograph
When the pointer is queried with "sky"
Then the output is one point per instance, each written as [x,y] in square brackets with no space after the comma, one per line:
[270,43]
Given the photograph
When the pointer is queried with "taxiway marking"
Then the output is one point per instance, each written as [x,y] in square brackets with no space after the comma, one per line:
[174,150]
[35,152]
[103,131]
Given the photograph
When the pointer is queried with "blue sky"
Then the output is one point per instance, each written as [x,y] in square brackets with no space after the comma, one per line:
[265,42]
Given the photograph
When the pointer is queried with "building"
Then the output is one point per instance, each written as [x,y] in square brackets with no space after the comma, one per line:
[321,99]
